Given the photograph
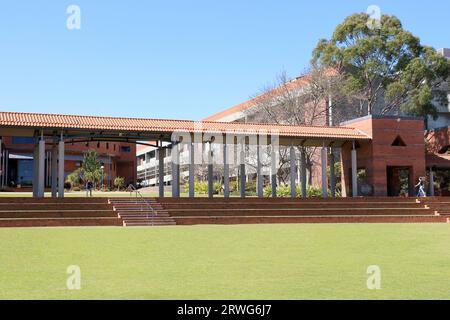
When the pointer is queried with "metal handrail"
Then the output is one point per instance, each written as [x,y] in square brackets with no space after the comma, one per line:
[132,189]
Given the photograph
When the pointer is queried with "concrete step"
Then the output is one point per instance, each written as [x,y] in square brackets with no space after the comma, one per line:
[296,211]
[148,224]
[175,206]
[308,219]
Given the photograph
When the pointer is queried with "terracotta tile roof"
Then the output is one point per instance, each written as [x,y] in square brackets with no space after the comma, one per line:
[58,121]
[296,83]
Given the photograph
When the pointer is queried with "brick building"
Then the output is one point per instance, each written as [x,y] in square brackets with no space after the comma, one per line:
[117,159]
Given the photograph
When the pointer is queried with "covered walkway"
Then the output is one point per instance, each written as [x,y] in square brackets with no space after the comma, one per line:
[232,141]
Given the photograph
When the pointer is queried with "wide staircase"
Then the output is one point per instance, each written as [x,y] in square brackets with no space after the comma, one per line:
[140,211]
[33,212]
[285,210]
[136,211]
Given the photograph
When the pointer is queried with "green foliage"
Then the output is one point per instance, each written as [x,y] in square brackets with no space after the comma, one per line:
[201,187]
[75,179]
[91,167]
[285,191]
[90,171]
[119,182]
[386,66]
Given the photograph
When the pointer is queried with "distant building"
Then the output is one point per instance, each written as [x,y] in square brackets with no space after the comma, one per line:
[443,119]
[117,158]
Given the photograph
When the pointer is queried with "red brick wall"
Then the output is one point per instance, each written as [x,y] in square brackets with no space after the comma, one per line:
[377,155]
[123,163]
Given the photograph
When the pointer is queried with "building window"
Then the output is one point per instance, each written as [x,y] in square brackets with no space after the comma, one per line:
[125,149]
[398,142]
[22,140]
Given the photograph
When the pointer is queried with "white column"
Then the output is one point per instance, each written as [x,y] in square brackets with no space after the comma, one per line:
[431,183]
[210,171]
[6,167]
[161,152]
[226,172]
[323,157]
[259,176]
[35,169]
[303,172]
[242,172]
[273,172]
[61,167]
[1,163]
[293,171]
[175,170]
[41,168]
[354,172]
[54,170]
[332,174]
[191,170]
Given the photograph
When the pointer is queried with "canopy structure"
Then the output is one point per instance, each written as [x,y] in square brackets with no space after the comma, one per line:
[135,129]
[76,128]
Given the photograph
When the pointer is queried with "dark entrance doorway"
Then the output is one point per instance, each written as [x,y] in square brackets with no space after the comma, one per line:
[399,181]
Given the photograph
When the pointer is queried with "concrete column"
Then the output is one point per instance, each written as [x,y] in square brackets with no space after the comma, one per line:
[210,171]
[175,171]
[323,156]
[303,172]
[259,176]
[191,170]
[61,167]
[293,171]
[226,172]
[6,167]
[35,169]
[54,170]
[161,152]
[431,183]
[242,173]
[1,163]
[354,172]
[273,172]
[332,174]
[41,168]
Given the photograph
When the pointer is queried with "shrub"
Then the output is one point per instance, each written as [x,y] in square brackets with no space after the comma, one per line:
[201,187]
[119,182]
[285,191]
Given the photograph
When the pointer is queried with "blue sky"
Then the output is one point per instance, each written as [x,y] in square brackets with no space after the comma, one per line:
[171,59]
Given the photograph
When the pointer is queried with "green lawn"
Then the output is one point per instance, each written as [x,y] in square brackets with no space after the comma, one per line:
[294,261]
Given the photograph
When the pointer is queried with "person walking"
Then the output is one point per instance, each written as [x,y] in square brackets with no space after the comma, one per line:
[89,189]
[421,186]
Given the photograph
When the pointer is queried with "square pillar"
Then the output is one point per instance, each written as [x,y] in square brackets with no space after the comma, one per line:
[61,168]
[161,171]
[226,172]
[303,172]
[293,171]
[323,157]
[1,162]
[191,170]
[175,171]
[210,172]
[273,172]
[259,176]
[431,183]
[242,173]
[354,172]
[54,170]
[332,174]
[35,169]
[41,168]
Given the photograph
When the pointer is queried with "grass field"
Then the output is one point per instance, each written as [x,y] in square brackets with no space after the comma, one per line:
[295,261]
